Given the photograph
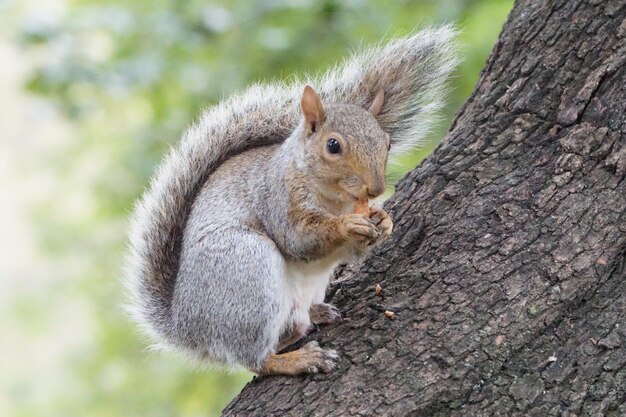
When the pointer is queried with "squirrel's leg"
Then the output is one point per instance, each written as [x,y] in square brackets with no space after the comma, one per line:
[228,302]
[324,313]
[309,359]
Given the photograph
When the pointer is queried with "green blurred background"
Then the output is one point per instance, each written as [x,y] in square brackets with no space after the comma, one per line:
[92,94]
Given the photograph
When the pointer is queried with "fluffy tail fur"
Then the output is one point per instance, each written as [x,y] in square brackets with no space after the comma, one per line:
[411,71]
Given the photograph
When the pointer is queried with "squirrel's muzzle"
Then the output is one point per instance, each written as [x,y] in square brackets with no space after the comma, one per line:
[376,186]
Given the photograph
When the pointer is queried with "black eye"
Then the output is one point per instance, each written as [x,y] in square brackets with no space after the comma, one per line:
[333,146]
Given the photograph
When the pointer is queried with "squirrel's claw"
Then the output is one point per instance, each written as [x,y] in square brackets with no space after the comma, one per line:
[318,359]
[383,223]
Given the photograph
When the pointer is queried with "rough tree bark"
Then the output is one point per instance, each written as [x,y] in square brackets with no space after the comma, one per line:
[506,269]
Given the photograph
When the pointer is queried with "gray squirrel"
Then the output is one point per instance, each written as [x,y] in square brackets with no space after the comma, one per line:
[233,244]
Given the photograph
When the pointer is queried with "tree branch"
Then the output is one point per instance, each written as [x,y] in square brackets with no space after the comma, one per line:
[506,268]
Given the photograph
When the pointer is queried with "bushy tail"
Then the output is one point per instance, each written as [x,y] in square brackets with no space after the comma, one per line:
[412,72]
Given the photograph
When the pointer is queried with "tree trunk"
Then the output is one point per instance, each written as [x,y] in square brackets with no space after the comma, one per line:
[506,269]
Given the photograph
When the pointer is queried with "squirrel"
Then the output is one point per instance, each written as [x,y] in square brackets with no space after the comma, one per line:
[233,244]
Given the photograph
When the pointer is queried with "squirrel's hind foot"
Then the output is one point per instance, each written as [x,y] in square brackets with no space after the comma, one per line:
[309,359]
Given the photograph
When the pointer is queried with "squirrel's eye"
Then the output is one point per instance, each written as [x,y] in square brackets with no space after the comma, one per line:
[333,146]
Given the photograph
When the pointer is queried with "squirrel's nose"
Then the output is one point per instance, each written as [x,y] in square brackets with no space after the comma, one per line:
[377,189]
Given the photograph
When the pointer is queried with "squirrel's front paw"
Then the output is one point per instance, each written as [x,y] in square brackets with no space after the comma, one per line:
[359,228]
[381,219]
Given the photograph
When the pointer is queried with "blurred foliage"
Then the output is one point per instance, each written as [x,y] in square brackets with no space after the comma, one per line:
[129,77]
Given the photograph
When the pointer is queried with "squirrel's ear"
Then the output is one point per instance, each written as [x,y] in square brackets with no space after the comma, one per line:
[312,109]
[377,104]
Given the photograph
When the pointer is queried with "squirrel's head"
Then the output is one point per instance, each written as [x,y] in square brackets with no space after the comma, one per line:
[345,147]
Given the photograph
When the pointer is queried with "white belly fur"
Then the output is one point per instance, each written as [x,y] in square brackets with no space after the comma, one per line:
[304,285]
